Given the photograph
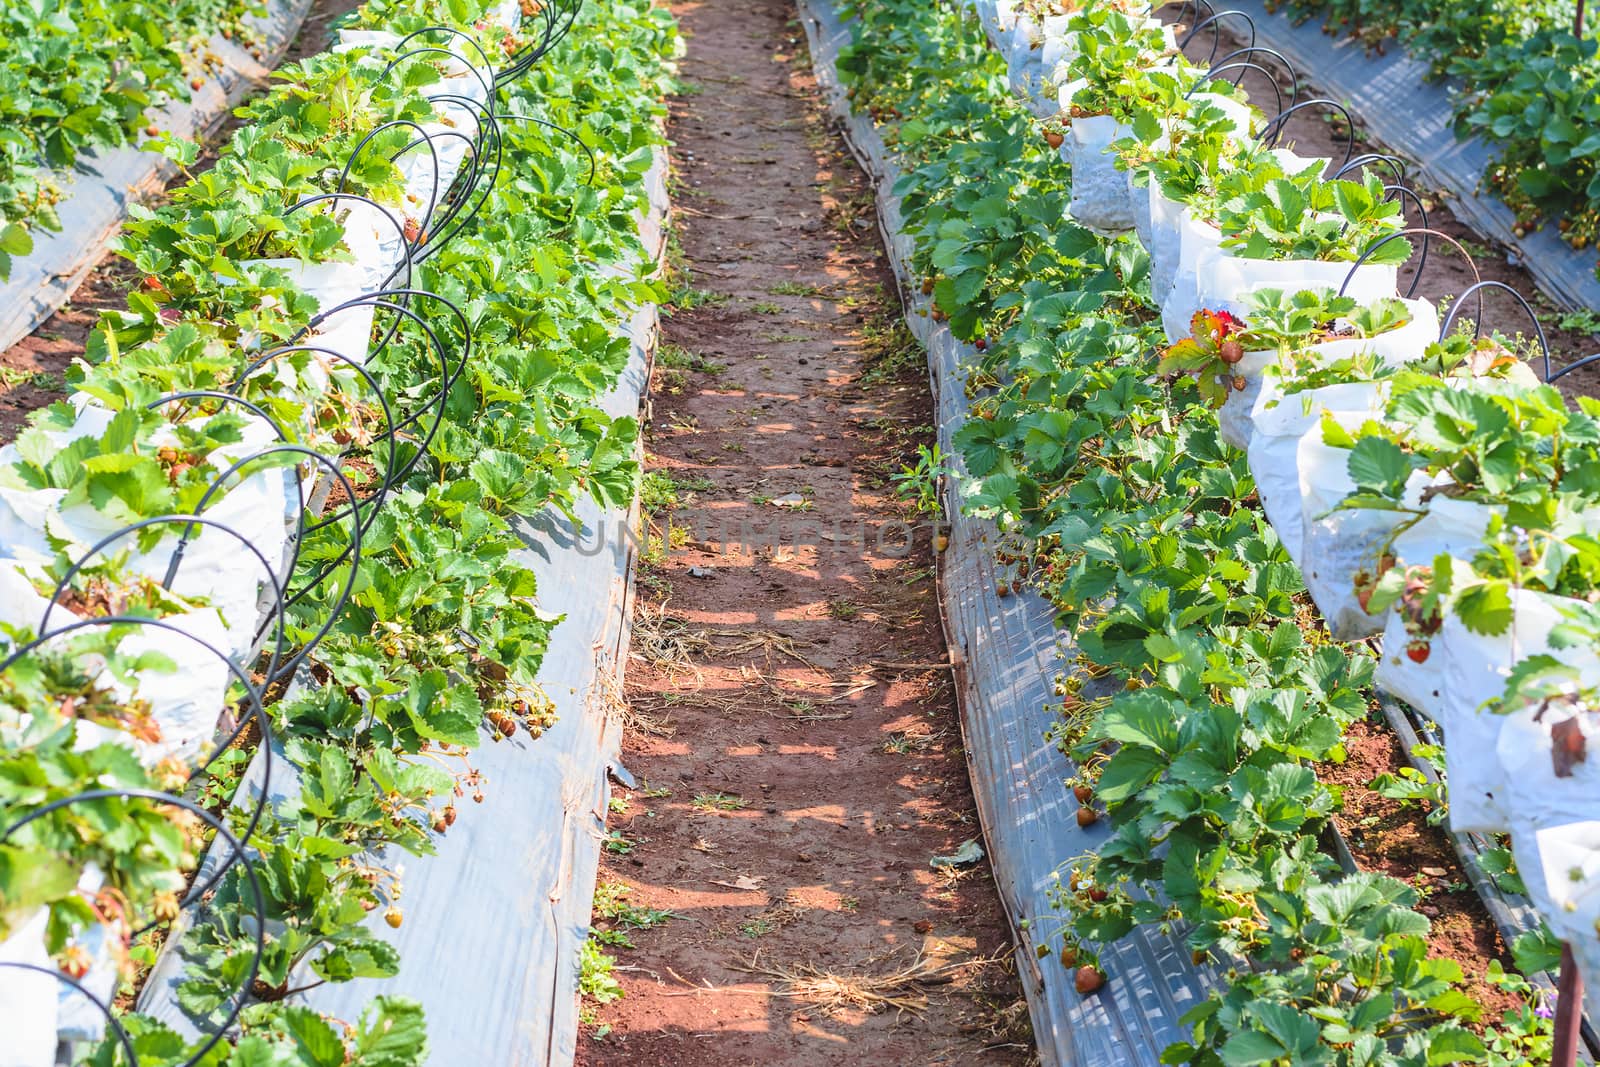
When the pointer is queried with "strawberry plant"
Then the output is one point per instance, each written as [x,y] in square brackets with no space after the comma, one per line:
[1308,218]
[79,76]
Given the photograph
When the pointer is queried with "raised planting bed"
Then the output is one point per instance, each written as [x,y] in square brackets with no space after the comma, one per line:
[438,355]
[1096,439]
[95,193]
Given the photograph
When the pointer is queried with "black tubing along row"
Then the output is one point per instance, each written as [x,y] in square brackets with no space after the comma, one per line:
[306,412]
[1161,564]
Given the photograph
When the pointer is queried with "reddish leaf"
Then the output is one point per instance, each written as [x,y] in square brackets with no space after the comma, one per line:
[1568,747]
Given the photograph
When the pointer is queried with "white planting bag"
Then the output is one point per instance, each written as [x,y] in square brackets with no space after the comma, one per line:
[1143,196]
[1224,282]
[1561,867]
[1393,347]
[1451,527]
[29,998]
[1198,244]
[1461,674]
[262,507]
[1338,544]
[1280,421]
[375,237]
[1060,48]
[1532,792]
[1022,55]
[1227,282]
[1100,197]
[1168,219]
[468,68]
[185,702]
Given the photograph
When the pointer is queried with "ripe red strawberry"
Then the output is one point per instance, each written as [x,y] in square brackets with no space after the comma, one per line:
[1083,793]
[1053,138]
[1088,979]
[1418,651]
[1087,816]
[1098,895]
[1231,351]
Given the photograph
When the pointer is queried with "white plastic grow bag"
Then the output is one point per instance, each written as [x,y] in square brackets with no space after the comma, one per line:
[1561,867]
[1022,56]
[262,508]
[1462,672]
[1533,795]
[1338,544]
[1182,246]
[1393,347]
[1168,221]
[464,64]
[1280,421]
[1213,278]
[28,998]
[1060,48]
[1101,199]
[1451,527]
[1142,194]
[1198,243]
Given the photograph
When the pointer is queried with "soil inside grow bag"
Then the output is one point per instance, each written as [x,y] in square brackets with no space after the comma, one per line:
[767,893]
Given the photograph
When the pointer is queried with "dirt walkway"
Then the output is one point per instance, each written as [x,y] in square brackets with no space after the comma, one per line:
[795,741]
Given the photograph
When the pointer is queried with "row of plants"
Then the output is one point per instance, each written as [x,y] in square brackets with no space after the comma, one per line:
[367,341]
[1529,84]
[1175,466]
[81,76]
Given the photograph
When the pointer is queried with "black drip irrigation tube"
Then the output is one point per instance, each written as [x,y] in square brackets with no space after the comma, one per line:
[1004,652]
[403,316]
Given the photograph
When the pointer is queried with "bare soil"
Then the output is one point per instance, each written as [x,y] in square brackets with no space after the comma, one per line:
[1394,837]
[791,724]
[31,370]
